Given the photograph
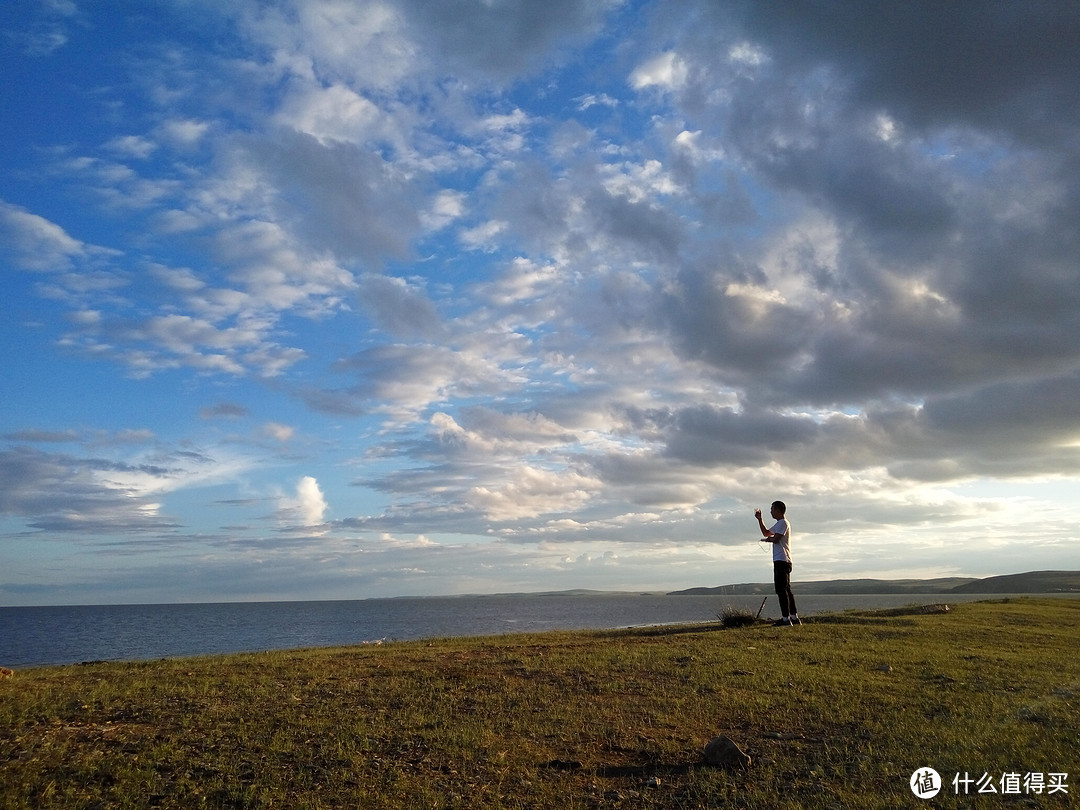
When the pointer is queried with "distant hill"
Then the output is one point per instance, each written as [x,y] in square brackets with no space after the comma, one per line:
[1031,582]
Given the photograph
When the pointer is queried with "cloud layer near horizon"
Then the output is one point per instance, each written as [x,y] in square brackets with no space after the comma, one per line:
[491,296]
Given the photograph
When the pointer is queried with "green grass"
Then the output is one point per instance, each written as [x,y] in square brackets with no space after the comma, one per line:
[565,720]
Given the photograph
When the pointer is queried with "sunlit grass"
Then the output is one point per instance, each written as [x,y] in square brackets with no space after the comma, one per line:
[836,713]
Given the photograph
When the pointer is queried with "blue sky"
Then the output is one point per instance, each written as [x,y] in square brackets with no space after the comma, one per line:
[322,300]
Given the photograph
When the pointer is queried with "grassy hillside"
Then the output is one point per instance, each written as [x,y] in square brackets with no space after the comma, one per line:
[1031,582]
[837,713]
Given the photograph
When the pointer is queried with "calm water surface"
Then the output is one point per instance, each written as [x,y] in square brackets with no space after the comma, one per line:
[37,636]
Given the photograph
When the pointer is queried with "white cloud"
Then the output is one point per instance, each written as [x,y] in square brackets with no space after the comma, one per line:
[667,71]
[522,280]
[691,143]
[42,28]
[400,380]
[447,206]
[483,236]
[183,132]
[36,243]
[305,510]
[131,146]
[531,492]
[594,99]
[331,113]
[278,431]
[310,500]
[639,182]
[747,53]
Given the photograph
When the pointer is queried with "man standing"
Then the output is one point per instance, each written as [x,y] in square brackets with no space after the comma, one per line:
[780,536]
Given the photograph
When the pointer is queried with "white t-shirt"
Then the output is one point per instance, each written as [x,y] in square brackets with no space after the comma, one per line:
[781,551]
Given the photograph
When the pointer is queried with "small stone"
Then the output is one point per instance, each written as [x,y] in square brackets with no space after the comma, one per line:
[883,668]
[724,753]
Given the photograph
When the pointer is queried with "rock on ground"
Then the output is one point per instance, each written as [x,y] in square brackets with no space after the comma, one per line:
[724,753]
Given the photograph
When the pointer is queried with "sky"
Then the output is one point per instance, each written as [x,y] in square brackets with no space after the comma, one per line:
[337,300]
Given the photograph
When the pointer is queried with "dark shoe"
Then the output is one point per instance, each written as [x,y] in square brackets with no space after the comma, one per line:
[796,620]
[784,622]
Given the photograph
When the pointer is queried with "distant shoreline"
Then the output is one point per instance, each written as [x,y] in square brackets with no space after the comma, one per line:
[1034,582]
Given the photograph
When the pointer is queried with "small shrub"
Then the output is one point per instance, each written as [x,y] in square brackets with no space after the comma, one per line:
[732,616]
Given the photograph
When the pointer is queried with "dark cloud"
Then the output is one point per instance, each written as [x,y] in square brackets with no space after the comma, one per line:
[400,309]
[1003,67]
[741,330]
[340,196]
[61,493]
[224,410]
[640,228]
[1021,417]
[502,40]
[938,143]
[710,436]
[32,435]
[408,378]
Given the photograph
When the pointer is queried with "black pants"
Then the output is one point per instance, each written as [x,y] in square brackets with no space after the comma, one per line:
[782,580]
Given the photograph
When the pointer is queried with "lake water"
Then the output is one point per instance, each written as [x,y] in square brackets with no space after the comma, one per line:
[38,636]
